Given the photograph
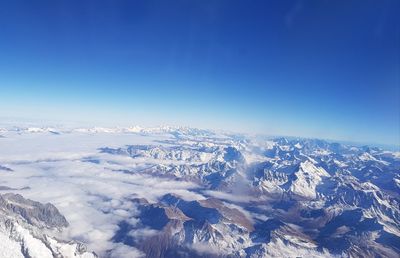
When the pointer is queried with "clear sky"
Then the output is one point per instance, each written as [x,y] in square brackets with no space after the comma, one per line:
[326,69]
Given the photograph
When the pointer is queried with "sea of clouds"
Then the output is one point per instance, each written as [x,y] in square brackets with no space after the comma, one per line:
[88,187]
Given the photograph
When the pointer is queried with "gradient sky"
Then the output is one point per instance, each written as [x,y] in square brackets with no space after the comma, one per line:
[327,69]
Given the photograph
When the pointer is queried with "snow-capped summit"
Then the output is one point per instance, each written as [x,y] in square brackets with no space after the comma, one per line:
[184,192]
[29,229]
[305,180]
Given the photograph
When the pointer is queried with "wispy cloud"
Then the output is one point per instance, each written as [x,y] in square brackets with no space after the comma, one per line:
[92,196]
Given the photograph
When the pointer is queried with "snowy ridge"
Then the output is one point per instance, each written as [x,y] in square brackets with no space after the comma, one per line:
[25,227]
[177,191]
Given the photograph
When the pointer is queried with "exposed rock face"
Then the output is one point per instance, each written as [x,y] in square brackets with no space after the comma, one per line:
[25,226]
[236,196]
[185,226]
[35,213]
[309,198]
[214,166]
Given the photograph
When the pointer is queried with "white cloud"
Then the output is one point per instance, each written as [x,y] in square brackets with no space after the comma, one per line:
[205,249]
[124,251]
[92,197]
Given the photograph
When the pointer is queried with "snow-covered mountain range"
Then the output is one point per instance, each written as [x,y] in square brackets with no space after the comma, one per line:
[184,192]
[27,229]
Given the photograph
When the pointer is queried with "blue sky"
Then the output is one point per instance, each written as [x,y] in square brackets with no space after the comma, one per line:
[327,69]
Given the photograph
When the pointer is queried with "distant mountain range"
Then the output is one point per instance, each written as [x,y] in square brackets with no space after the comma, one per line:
[261,198]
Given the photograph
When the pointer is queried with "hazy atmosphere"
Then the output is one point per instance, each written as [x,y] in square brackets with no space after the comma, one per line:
[327,69]
[200,129]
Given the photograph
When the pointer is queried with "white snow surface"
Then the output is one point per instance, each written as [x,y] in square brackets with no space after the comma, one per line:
[307,178]
[53,168]
[94,189]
